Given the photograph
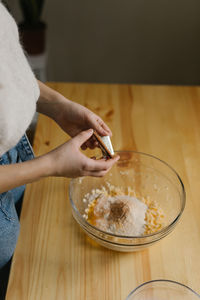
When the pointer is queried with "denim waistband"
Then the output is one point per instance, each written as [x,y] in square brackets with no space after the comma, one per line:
[21,152]
[24,148]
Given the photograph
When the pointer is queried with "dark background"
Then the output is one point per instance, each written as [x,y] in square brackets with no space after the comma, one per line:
[122,41]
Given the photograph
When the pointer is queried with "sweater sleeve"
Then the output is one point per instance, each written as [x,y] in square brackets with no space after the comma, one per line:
[19,90]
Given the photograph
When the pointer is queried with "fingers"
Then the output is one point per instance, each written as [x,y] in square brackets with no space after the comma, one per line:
[100,165]
[82,137]
[101,173]
[98,173]
[102,129]
[105,128]
[90,166]
[99,125]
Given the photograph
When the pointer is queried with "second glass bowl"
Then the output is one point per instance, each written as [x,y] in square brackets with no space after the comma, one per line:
[163,290]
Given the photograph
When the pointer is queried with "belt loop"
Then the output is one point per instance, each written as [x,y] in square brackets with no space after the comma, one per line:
[24,148]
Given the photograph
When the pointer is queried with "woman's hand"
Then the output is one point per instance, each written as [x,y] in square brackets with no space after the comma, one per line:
[75,118]
[70,116]
[68,161]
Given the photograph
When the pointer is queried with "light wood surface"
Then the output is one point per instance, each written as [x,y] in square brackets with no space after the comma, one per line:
[54,259]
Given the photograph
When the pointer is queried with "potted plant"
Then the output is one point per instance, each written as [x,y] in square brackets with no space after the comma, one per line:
[32,29]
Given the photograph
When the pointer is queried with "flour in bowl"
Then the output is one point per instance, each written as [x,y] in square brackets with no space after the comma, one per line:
[118,211]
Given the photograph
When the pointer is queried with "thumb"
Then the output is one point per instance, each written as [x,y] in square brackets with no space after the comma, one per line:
[83,136]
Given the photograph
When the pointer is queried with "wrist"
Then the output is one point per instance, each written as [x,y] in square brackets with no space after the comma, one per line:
[14,175]
[46,165]
[50,102]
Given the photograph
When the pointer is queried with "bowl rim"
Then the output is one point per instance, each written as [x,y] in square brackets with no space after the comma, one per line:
[162,280]
[164,230]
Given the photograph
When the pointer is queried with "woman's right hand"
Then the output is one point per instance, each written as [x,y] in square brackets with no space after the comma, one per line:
[68,161]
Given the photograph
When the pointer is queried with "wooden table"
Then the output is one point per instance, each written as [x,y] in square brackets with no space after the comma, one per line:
[53,258]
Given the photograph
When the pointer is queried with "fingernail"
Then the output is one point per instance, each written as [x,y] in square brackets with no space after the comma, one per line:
[90,131]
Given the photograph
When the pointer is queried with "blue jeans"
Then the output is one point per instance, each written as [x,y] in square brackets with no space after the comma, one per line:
[9,222]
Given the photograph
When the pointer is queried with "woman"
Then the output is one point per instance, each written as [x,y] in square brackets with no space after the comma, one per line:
[20,96]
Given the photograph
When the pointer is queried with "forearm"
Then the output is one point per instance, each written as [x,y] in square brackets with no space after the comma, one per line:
[50,101]
[15,175]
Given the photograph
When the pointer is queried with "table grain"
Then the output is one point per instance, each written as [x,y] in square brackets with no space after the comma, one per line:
[54,259]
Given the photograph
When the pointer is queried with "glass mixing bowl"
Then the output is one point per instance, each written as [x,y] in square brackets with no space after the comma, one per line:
[162,290]
[149,177]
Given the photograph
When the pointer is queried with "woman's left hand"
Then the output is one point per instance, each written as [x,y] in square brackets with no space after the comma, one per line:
[70,116]
[75,118]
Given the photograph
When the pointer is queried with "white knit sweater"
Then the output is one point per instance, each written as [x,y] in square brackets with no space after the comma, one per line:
[19,90]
